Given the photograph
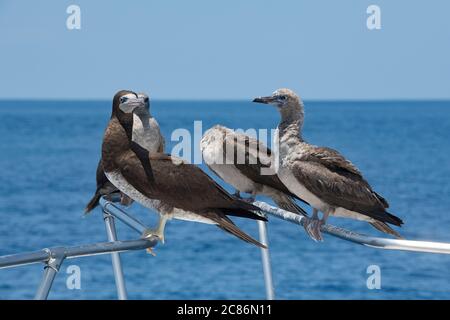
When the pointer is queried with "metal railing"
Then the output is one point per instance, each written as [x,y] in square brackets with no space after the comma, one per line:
[374,242]
[54,257]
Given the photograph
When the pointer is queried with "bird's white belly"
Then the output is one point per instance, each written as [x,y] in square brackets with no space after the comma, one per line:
[180,214]
[297,188]
[344,213]
[213,156]
[118,180]
[231,175]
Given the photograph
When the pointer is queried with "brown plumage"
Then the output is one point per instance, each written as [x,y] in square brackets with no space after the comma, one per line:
[328,175]
[158,181]
[245,163]
[322,176]
[106,188]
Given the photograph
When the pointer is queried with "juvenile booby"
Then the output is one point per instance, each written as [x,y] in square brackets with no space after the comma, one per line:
[322,176]
[240,160]
[164,183]
[144,125]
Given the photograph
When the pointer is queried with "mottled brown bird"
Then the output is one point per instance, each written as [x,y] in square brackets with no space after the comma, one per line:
[322,176]
[247,164]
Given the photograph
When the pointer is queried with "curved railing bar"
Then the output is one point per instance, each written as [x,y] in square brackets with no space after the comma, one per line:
[373,242]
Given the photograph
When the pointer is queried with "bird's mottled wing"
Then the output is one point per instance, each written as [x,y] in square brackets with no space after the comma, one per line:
[258,157]
[334,160]
[331,177]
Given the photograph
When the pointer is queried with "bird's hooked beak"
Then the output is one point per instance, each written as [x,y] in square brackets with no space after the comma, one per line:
[265,100]
[131,105]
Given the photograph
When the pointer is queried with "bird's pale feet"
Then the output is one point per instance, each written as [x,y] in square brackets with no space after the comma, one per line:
[312,227]
[151,251]
[153,233]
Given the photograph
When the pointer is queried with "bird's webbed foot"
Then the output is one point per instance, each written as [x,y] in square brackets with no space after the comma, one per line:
[312,226]
[158,231]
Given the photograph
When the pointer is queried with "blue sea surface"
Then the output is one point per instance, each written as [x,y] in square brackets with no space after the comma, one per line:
[48,156]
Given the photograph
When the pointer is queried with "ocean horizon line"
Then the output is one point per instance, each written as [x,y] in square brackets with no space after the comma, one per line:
[86,100]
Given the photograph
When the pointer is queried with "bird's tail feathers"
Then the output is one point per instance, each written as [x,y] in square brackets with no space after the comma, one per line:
[227,225]
[243,213]
[393,219]
[92,203]
[383,227]
[243,209]
[242,204]
[287,203]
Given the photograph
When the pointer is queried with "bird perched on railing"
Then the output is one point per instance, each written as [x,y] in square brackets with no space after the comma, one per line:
[322,176]
[146,126]
[247,164]
[164,183]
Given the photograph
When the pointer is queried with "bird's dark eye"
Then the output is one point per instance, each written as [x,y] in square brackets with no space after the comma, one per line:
[282,98]
[123,99]
[146,99]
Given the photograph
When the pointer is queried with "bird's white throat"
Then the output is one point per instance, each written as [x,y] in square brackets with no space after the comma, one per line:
[143,133]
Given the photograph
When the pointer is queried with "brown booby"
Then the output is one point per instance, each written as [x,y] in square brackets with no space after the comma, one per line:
[245,163]
[322,176]
[148,125]
[164,183]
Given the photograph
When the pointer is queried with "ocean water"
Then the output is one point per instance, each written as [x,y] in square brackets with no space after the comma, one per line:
[48,156]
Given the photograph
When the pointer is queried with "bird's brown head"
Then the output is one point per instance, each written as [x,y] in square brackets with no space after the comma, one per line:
[125,102]
[287,102]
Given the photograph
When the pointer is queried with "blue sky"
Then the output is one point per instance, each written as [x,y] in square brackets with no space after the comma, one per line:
[234,49]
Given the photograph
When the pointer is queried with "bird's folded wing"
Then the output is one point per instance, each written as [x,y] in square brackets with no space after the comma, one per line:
[240,148]
[258,160]
[181,185]
[339,189]
[333,160]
